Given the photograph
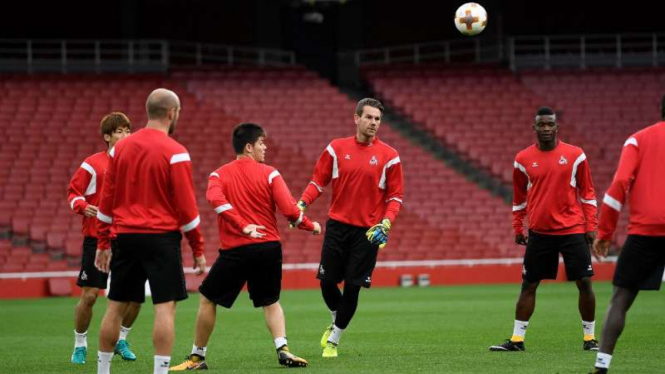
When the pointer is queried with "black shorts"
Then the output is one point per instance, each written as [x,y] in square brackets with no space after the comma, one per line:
[152,257]
[258,265]
[347,255]
[89,276]
[541,259]
[641,263]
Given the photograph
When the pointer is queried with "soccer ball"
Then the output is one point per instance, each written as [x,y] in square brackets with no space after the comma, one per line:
[470,19]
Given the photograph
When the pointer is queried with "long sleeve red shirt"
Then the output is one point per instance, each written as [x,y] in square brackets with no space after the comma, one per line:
[85,189]
[245,191]
[367,181]
[149,189]
[554,188]
[641,172]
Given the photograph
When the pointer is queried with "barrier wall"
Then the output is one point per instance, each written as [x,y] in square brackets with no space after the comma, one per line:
[303,276]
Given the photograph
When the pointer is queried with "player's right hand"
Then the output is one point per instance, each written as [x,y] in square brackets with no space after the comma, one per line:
[199,265]
[90,211]
[253,231]
[103,260]
[521,239]
[600,248]
[317,228]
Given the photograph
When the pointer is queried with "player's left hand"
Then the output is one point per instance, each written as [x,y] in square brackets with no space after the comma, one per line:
[103,260]
[302,206]
[90,211]
[590,236]
[600,248]
[378,234]
[199,265]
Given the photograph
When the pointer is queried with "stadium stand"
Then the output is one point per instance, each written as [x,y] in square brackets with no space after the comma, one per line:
[485,113]
[50,125]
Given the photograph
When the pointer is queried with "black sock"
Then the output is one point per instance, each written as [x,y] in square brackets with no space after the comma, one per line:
[331,295]
[347,306]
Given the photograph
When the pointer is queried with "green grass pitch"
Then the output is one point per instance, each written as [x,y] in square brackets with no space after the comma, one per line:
[415,330]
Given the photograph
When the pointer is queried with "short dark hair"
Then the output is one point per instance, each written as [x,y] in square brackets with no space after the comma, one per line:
[246,133]
[368,101]
[545,111]
[112,122]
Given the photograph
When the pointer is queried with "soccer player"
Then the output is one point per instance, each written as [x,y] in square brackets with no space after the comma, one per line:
[641,172]
[83,196]
[367,190]
[148,198]
[247,189]
[548,177]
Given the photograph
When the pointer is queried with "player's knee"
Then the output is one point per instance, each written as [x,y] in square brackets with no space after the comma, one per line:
[89,297]
[529,288]
[327,285]
[584,285]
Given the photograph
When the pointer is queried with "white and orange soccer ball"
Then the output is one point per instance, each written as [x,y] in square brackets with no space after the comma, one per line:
[470,19]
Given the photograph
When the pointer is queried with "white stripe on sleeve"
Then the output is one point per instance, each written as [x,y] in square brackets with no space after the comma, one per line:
[272,176]
[223,208]
[104,218]
[578,161]
[192,225]
[630,141]
[335,168]
[92,186]
[612,202]
[519,207]
[180,157]
[389,164]
[71,204]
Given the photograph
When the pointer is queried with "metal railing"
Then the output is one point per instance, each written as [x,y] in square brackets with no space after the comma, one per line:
[584,51]
[617,50]
[127,55]
[462,50]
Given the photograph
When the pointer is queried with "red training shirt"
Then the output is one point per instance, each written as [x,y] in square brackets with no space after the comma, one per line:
[641,171]
[367,182]
[245,191]
[148,189]
[85,189]
[554,188]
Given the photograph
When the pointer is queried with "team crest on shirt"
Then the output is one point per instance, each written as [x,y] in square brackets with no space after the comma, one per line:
[347,157]
[373,161]
[563,161]
[534,165]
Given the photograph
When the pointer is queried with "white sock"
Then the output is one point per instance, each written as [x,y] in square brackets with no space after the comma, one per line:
[519,330]
[335,334]
[603,360]
[123,332]
[589,329]
[162,364]
[334,315]
[104,362]
[201,351]
[80,340]
[280,342]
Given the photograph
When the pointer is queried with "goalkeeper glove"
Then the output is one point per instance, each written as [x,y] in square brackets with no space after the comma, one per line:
[378,234]
[302,206]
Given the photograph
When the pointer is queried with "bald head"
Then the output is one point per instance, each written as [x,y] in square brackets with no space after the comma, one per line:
[160,102]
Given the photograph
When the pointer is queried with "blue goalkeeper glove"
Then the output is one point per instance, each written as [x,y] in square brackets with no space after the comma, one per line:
[378,234]
[302,206]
